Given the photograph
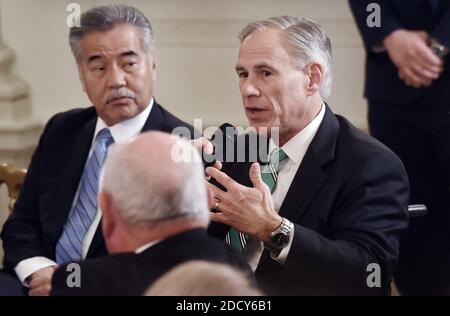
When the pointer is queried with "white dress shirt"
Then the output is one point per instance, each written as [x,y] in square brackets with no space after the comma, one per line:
[295,150]
[121,132]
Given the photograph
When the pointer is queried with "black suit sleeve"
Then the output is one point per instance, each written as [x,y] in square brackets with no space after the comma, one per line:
[441,31]
[364,227]
[22,232]
[373,36]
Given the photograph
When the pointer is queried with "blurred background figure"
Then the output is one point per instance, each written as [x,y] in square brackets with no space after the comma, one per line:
[407,89]
[202,278]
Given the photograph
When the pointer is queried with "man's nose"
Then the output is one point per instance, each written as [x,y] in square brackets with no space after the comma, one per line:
[116,77]
[249,88]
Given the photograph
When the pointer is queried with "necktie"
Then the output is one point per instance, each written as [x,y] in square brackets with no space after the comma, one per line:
[269,174]
[69,245]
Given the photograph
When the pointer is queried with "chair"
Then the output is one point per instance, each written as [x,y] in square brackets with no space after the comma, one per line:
[13,178]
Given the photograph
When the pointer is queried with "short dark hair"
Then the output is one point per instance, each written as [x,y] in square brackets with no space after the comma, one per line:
[104,18]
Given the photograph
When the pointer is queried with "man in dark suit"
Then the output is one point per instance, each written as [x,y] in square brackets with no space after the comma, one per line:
[56,217]
[155,214]
[407,89]
[324,217]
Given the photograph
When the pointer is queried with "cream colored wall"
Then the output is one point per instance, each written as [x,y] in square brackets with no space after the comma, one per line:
[196,53]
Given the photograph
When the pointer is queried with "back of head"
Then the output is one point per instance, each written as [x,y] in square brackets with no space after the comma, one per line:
[150,181]
[308,43]
[202,278]
[104,18]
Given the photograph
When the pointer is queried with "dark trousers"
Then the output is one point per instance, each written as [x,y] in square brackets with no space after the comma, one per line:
[11,286]
[419,134]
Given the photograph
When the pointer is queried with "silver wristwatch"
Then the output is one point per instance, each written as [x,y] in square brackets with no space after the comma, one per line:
[438,49]
[279,238]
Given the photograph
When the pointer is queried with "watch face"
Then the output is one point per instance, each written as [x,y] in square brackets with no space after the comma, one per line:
[280,240]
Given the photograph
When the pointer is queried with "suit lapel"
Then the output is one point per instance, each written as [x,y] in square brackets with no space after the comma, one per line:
[155,119]
[310,175]
[70,177]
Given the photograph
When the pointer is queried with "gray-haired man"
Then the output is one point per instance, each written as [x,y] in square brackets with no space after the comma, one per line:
[155,214]
[333,200]
[56,218]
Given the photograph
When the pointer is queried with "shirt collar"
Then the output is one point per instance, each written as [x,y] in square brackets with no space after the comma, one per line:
[125,130]
[297,146]
[146,246]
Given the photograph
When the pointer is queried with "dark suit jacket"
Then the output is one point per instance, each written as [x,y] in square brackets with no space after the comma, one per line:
[382,81]
[348,202]
[131,274]
[52,181]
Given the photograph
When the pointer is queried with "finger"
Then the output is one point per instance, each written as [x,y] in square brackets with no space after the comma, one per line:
[40,291]
[207,147]
[428,57]
[37,282]
[211,198]
[255,177]
[221,178]
[218,165]
[203,144]
[219,217]
[412,79]
[424,73]
[216,192]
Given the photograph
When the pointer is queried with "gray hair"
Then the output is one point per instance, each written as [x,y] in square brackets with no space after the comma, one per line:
[308,43]
[203,278]
[105,18]
[146,194]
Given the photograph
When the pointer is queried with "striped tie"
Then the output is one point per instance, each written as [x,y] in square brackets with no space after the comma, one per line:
[269,174]
[69,246]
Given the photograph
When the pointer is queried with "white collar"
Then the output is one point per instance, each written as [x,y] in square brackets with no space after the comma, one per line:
[125,130]
[297,146]
[146,246]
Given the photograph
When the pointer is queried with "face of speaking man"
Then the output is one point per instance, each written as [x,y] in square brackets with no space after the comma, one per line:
[116,73]
[274,92]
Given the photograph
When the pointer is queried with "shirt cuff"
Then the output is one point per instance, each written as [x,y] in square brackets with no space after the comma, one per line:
[27,267]
[282,256]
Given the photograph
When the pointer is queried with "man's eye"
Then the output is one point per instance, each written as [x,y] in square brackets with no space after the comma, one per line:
[98,69]
[266,73]
[243,75]
[131,65]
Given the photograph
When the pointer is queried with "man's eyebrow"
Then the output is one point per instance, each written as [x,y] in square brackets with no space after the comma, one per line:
[129,53]
[239,68]
[94,57]
[264,65]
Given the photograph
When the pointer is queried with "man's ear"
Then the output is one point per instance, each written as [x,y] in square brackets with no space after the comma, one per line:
[81,76]
[108,216]
[152,63]
[314,78]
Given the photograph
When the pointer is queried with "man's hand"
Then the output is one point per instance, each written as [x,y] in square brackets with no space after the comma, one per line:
[41,282]
[249,210]
[204,146]
[417,65]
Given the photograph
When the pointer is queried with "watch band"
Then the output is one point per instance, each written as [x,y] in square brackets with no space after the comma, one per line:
[280,237]
[438,49]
